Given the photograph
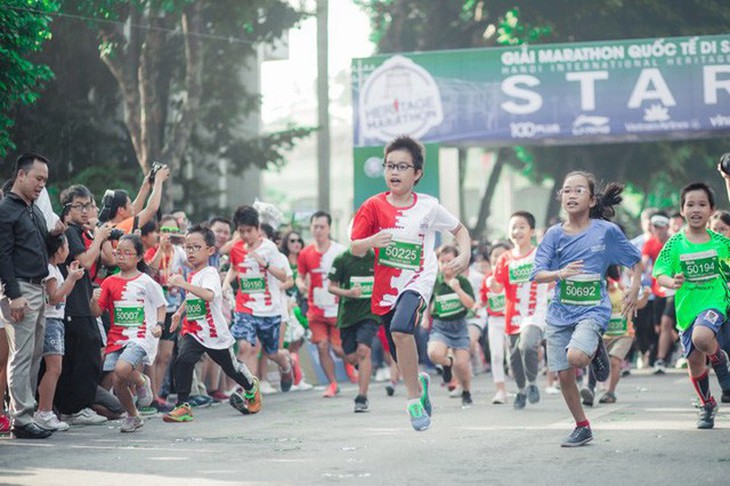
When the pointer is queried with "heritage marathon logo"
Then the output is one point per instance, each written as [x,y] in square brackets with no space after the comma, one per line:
[399,97]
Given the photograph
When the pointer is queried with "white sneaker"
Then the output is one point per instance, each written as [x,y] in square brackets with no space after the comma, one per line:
[266,388]
[49,421]
[85,416]
[144,393]
[552,390]
[500,398]
[302,386]
[455,393]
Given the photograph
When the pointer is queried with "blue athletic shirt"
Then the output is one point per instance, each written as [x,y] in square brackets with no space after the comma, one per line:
[600,245]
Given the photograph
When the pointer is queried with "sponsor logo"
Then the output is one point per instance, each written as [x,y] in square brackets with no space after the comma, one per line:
[399,97]
[657,119]
[656,113]
[719,121]
[533,130]
[591,125]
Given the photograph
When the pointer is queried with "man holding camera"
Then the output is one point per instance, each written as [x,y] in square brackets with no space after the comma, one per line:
[123,214]
[81,369]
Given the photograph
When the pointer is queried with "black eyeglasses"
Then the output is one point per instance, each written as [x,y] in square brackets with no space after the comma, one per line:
[81,207]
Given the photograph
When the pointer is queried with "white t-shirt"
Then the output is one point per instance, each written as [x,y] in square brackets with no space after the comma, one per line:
[55,311]
[204,320]
[259,291]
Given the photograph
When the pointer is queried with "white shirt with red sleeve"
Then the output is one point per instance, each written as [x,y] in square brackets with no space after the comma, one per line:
[204,320]
[409,262]
[132,306]
[259,291]
[317,265]
[493,302]
[527,301]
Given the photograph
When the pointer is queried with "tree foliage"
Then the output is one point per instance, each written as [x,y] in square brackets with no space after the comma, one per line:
[24,27]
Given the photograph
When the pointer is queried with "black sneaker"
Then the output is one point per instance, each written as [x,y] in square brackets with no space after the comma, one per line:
[533,393]
[725,398]
[588,396]
[361,404]
[390,390]
[520,401]
[466,400]
[601,363]
[707,415]
[447,374]
[580,436]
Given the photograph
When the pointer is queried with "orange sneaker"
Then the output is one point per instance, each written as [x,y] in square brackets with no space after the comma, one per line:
[181,413]
[331,390]
[253,397]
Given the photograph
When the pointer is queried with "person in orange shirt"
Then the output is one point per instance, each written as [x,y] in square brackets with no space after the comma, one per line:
[127,215]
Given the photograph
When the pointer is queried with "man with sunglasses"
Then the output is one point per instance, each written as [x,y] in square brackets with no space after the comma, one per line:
[81,371]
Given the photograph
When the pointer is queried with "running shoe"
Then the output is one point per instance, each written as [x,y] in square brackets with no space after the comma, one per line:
[200,401]
[455,392]
[425,398]
[682,363]
[466,400]
[331,391]
[4,424]
[267,389]
[287,378]
[130,424]
[352,373]
[608,397]
[361,404]
[552,390]
[147,411]
[420,420]
[85,416]
[390,389]
[660,367]
[302,386]
[181,413]
[601,364]
[253,397]
[218,395]
[144,392]
[580,436]
[49,421]
[162,406]
[520,401]
[500,398]
[533,393]
[447,372]
[588,396]
[707,415]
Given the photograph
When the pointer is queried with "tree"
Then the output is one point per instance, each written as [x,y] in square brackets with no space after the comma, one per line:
[24,27]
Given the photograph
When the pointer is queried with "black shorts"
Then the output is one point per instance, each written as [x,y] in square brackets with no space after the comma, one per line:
[404,317]
[166,334]
[660,304]
[669,310]
[361,332]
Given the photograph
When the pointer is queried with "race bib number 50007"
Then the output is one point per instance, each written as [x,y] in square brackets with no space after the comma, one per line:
[128,314]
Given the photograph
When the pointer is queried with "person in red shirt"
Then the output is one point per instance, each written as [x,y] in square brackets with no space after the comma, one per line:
[313,266]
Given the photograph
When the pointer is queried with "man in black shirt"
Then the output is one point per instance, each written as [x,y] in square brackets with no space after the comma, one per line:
[23,267]
[81,368]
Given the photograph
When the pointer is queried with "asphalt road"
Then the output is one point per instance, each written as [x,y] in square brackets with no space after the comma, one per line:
[647,437]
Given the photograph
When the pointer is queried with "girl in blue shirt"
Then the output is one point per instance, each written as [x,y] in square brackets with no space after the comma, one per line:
[576,254]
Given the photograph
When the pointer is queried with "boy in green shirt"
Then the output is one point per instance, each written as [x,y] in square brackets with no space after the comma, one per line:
[351,278]
[695,263]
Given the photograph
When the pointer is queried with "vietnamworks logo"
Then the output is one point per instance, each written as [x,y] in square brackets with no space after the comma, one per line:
[591,125]
[399,97]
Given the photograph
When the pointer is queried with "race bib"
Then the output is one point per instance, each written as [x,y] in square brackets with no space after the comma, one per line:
[253,285]
[195,309]
[617,325]
[519,273]
[365,284]
[496,302]
[447,305]
[581,290]
[701,266]
[401,254]
[128,314]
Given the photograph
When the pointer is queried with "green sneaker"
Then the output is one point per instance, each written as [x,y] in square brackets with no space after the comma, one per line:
[425,399]
[147,410]
[419,418]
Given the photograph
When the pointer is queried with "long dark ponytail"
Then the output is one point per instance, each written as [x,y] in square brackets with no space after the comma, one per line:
[606,198]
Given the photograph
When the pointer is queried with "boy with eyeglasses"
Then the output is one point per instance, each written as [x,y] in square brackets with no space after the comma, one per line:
[400,225]
[205,330]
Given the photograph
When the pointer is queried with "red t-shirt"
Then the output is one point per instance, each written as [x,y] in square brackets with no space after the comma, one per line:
[495,302]
[651,249]
[259,292]
[526,301]
[318,265]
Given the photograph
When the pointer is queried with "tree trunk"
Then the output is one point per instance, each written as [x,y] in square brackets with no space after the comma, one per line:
[484,207]
[462,176]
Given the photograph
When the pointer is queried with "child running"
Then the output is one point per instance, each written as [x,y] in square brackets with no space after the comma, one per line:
[526,306]
[694,262]
[453,297]
[57,290]
[205,330]
[136,306]
[400,225]
[576,254]
[495,304]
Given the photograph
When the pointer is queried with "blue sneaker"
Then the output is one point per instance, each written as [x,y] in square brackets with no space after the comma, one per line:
[419,418]
[425,399]
[200,401]
[580,436]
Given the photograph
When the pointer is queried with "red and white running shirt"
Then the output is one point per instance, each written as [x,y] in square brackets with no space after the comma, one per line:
[204,320]
[526,301]
[318,265]
[493,302]
[258,290]
[409,262]
[132,306]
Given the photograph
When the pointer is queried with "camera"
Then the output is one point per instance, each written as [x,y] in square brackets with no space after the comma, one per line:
[115,234]
[156,166]
[725,163]
[106,207]
[176,238]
